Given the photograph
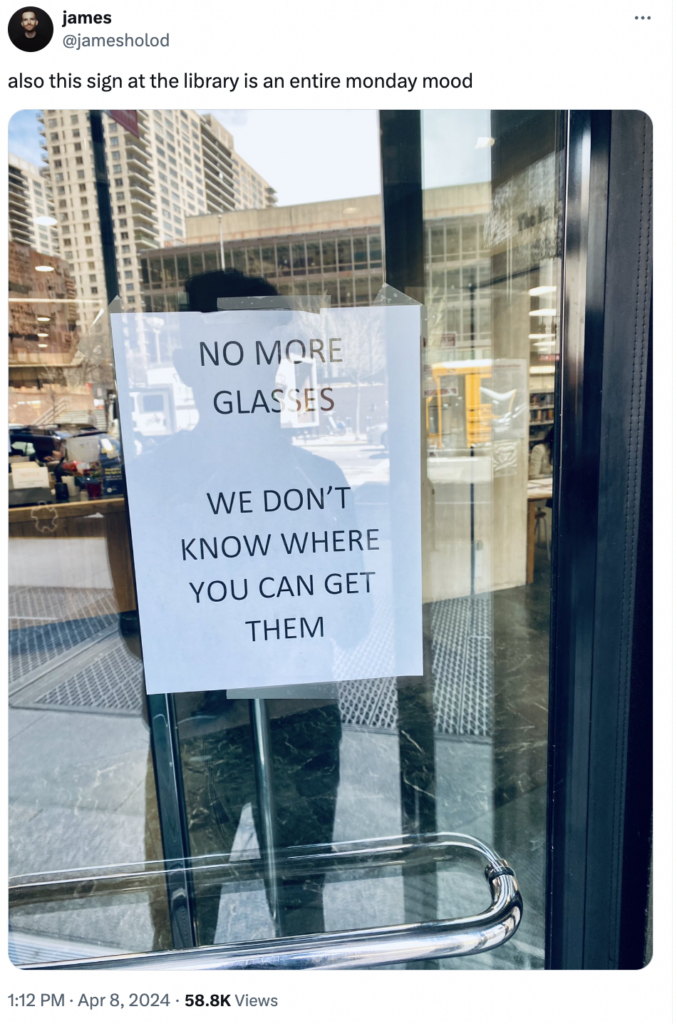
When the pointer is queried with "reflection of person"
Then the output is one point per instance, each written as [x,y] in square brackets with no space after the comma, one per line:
[30,29]
[215,732]
[540,459]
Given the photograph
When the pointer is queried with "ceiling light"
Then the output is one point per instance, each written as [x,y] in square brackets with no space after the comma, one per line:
[350,209]
[43,334]
[49,222]
[543,289]
[45,269]
[41,345]
[542,312]
[43,319]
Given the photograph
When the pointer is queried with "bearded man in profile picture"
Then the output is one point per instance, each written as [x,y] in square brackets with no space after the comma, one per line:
[30,29]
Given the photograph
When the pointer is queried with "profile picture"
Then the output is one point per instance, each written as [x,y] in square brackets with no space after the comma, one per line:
[30,29]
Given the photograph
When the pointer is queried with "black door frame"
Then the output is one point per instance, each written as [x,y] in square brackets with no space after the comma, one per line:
[600,702]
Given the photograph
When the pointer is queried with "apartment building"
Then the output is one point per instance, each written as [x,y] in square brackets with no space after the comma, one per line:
[31,207]
[252,192]
[180,165]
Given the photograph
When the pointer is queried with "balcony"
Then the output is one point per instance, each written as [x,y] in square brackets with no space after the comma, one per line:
[141,198]
[136,150]
[142,183]
[144,217]
[135,166]
[145,239]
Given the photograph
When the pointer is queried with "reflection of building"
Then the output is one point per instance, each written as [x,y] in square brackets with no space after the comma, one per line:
[316,248]
[47,381]
[42,309]
[31,206]
[334,248]
[180,165]
[252,192]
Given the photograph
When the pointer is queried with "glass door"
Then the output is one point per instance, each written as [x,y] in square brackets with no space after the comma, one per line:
[165,822]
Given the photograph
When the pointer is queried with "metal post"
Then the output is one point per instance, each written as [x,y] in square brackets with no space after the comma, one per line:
[103,200]
[472,525]
[263,770]
[472,288]
[171,809]
[223,255]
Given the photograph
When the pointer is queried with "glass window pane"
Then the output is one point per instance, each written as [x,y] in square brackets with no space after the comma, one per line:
[196,263]
[331,288]
[469,239]
[313,257]
[437,243]
[254,262]
[438,281]
[360,251]
[298,251]
[268,261]
[347,291]
[376,284]
[345,255]
[283,260]
[211,260]
[375,255]
[329,255]
[453,240]
[170,271]
[155,267]
[362,291]
[182,268]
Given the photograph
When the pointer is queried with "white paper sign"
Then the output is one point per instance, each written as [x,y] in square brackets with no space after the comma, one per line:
[29,474]
[273,476]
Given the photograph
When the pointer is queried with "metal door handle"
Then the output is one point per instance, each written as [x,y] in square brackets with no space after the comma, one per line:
[365,947]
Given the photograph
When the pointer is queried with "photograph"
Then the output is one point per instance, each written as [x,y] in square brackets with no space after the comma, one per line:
[30,29]
[330,553]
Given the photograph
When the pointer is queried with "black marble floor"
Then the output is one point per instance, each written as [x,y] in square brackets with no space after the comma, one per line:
[481,770]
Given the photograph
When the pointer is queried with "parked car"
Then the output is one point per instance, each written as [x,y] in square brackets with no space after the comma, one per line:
[39,444]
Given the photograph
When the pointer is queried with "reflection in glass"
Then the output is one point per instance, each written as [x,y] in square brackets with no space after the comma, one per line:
[360,251]
[488,576]
[210,261]
[83,787]
[253,262]
[375,255]
[328,255]
[345,256]
[196,263]
[283,260]
[268,261]
[313,255]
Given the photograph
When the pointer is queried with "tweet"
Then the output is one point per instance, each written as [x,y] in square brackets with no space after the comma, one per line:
[333,614]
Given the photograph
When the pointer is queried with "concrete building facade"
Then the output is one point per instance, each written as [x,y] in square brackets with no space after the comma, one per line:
[180,165]
[31,207]
[334,248]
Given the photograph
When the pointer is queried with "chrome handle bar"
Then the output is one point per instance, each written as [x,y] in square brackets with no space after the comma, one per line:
[365,947]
